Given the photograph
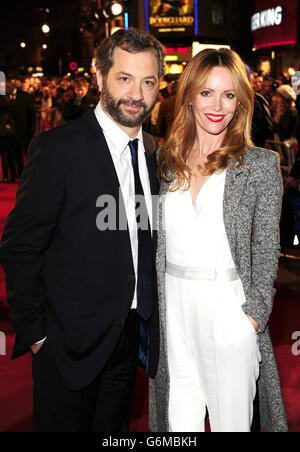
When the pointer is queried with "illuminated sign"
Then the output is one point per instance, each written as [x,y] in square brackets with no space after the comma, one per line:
[267,18]
[176,50]
[171,58]
[274,23]
[172,17]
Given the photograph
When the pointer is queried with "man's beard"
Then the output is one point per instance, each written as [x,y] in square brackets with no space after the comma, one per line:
[113,107]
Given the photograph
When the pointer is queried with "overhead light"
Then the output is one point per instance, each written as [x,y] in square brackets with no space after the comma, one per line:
[44,46]
[23,45]
[113,9]
[45,28]
[116,8]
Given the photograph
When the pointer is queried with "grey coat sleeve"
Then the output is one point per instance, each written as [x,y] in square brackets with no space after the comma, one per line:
[265,240]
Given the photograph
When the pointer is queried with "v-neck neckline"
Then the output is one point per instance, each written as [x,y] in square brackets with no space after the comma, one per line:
[200,191]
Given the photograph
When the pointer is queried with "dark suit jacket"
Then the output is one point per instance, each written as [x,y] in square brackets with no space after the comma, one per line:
[65,278]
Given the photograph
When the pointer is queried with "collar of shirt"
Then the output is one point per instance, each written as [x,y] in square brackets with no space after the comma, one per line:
[114,134]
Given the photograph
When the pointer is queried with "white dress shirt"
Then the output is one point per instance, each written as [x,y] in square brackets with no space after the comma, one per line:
[117,142]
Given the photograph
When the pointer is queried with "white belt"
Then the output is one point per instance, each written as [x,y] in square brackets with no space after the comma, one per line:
[208,273]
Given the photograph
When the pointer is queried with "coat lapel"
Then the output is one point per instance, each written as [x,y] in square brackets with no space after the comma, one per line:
[235,183]
[101,155]
[150,156]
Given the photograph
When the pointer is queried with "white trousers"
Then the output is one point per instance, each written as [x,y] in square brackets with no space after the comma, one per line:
[213,356]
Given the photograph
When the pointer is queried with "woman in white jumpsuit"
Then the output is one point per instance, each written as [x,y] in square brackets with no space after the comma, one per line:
[213,352]
[210,356]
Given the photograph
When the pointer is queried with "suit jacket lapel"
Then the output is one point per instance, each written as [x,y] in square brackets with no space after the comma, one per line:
[101,154]
[103,160]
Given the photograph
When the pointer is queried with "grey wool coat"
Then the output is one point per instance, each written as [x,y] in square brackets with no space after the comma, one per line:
[251,211]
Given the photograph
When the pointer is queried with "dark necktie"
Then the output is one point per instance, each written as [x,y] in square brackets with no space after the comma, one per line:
[145,271]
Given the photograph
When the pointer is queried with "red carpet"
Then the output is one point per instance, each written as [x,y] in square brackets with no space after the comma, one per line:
[15,376]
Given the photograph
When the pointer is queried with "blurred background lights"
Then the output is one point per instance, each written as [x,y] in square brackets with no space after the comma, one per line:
[116,8]
[45,28]
[291,71]
[114,29]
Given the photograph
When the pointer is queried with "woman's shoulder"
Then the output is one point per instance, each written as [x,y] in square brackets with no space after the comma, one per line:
[264,166]
[260,156]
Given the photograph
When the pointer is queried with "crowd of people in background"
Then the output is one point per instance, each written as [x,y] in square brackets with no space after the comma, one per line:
[32,105]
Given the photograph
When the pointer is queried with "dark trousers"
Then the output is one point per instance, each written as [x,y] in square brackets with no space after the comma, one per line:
[7,151]
[19,157]
[104,405]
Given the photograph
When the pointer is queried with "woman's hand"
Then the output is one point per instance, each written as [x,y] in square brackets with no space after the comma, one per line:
[253,322]
[36,347]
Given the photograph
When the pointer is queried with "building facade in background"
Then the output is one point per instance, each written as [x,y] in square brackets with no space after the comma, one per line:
[275,30]
[187,26]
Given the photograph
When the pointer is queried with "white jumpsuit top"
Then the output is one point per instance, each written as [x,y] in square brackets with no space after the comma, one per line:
[213,353]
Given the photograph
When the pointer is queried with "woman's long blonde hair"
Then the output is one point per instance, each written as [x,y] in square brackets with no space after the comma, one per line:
[172,158]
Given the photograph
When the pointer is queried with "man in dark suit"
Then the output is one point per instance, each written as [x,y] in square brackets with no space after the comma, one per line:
[23,111]
[79,270]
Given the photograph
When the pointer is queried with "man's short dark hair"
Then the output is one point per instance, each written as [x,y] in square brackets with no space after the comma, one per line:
[132,41]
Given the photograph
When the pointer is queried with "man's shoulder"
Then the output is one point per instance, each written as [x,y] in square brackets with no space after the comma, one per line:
[76,129]
[76,135]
